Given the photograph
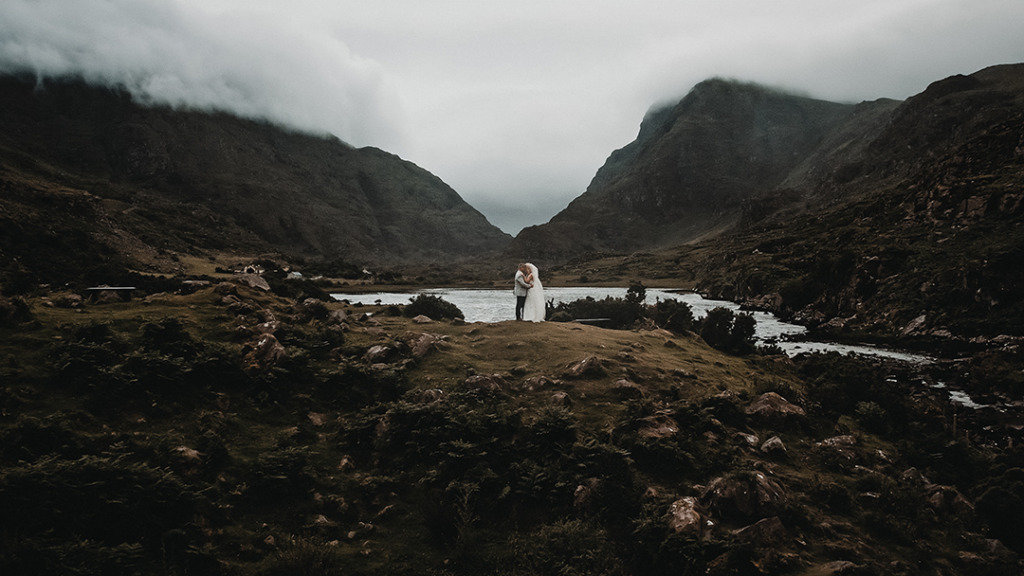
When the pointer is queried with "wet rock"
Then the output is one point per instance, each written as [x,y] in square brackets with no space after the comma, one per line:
[422,319]
[774,447]
[764,532]
[685,516]
[771,407]
[253,281]
[561,399]
[625,389]
[377,354]
[744,494]
[589,367]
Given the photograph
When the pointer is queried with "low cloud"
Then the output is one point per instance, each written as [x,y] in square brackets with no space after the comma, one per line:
[255,63]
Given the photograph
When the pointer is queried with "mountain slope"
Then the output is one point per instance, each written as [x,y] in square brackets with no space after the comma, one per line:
[151,179]
[689,170]
[908,218]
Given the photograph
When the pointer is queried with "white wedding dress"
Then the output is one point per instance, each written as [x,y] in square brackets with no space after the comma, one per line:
[533,310]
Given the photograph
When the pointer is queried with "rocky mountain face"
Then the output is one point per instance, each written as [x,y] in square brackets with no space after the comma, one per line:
[905,219]
[690,169]
[140,182]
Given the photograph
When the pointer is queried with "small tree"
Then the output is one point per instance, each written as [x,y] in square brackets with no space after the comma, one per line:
[636,293]
[729,332]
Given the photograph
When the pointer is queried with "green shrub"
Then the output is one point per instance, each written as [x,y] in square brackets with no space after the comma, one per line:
[729,332]
[672,315]
[566,548]
[620,312]
[433,307]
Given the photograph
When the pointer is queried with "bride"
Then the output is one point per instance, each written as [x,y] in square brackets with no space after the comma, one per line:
[533,310]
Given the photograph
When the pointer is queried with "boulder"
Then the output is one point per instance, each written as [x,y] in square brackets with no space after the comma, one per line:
[626,389]
[685,516]
[487,383]
[422,344]
[377,354]
[266,353]
[422,319]
[585,494]
[658,425]
[744,494]
[538,383]
[914,325]
[561,399]
[750,439]
[589,367]
[774,447]
[771,407]
[337,316]
[253,281]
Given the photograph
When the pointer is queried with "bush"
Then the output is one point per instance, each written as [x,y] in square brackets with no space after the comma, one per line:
[672,315]
[567,548]
[433,307]
[620,312]
[14,311]
[729,332]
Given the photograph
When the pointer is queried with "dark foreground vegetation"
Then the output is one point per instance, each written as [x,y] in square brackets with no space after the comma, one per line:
[236,431]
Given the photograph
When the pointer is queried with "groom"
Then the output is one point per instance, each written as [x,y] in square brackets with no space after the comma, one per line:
[520,289]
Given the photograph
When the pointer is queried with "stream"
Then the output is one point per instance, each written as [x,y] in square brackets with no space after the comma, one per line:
[490,305]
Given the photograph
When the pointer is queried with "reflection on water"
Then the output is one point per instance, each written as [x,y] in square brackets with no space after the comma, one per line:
[488,305]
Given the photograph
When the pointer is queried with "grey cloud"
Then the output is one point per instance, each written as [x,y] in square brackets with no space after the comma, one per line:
[514,104]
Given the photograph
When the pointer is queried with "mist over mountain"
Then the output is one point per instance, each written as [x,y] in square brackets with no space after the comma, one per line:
[137,183]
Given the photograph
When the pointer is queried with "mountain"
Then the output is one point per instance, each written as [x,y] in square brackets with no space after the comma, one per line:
[906,218]
[88,173]
[689,170]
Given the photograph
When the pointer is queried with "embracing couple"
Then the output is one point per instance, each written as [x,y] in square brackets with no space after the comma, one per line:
[529,294]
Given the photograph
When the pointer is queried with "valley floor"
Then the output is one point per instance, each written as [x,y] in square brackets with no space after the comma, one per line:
[233,431]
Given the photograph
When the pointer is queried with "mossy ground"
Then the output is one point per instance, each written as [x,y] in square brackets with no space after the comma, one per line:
[139,438]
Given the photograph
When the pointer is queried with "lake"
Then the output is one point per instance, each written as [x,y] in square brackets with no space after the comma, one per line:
[490,305]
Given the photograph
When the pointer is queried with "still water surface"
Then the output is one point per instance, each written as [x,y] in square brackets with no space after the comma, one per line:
[489,305]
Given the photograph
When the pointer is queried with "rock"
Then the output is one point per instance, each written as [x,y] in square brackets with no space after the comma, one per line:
[589,367]
[429,395]
[268,327]
[537,383]
[764,532]
[744,494]
[317,419]
[836,568]
[72,300]
[840,446]
[751,439]
[337,316]
[685,516]
[774,447]
[584,495]
[225,288]
[269,541]
[458,321]
[323,521]
[421,319]
[345,463]
[561,399]
[378,353]
[188,454]
[421,345]
[487,383]
[658,425]
[626,389]
[266,353]
[771,407]
[914,325]
[253,281]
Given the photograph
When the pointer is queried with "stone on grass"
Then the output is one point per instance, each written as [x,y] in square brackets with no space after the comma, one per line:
[561,399]
[253,281]
[774,447]
[266,353]
[744,494]
[589,367]
[422,319]
[685,516]
[772,407]
[626,389]
[377,353]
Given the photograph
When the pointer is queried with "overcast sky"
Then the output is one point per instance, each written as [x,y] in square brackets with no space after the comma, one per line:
[514,104]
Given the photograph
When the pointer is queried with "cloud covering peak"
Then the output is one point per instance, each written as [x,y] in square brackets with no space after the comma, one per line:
[254,63]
